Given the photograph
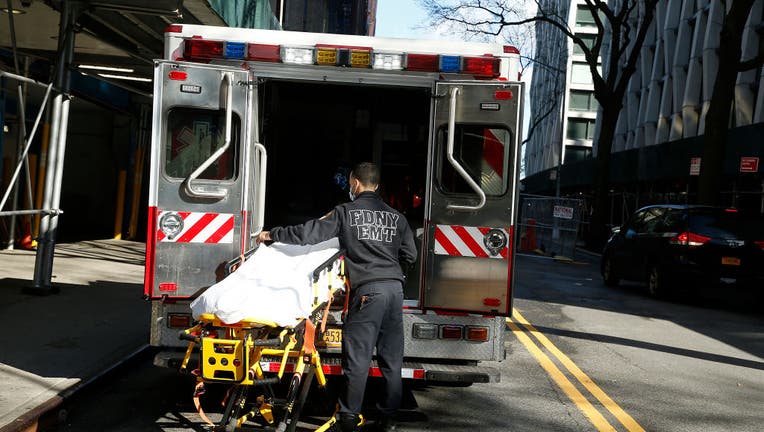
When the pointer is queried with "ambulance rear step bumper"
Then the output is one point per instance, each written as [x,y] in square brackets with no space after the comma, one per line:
[431,372]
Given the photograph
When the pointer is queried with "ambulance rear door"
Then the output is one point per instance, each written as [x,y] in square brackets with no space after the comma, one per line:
[205,159]
[472,198]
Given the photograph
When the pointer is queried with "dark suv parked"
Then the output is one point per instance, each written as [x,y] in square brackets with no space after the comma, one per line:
[676,247]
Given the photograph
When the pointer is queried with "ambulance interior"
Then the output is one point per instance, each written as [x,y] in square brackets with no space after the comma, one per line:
[315,132]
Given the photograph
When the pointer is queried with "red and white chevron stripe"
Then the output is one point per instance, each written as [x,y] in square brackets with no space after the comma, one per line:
[465,241]
[201,228]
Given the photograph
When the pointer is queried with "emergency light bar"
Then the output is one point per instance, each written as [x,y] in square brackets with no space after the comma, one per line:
[198,49]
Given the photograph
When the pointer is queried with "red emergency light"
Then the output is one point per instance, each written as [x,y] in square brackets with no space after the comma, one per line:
[422,62]
[260,52]
[203,49]
[482,67]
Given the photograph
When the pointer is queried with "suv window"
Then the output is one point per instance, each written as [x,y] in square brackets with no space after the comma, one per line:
[653,221]
[675,221]
[728,225]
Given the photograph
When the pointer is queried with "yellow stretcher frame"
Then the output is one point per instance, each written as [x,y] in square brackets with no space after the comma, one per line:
[231,354]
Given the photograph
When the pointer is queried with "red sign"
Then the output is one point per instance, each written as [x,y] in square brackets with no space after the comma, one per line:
[695,166]
[749,164]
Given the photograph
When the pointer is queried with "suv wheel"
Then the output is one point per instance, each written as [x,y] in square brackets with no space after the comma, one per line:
[608,273]
[656,281]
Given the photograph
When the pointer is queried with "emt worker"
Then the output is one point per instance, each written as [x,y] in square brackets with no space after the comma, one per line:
[376,239]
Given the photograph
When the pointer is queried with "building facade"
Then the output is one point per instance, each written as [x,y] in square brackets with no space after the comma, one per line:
[563,108]
[659,135]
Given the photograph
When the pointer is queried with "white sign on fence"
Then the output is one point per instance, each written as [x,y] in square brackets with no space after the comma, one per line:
[563,212]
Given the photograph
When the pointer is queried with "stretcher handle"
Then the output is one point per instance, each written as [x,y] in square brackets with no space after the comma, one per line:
[274,342]
[187,337]
[231,265]
[266,381]
[327,265]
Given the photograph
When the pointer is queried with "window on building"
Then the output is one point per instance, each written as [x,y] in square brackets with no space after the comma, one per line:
[588,41]
[580,129]
[584,16]
[581,100]
[580,74]
[577,153]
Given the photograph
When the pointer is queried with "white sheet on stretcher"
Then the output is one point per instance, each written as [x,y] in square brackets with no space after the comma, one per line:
[274,284]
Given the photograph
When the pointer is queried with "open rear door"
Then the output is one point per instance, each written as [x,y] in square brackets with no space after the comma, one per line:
[202,166]
[473,197]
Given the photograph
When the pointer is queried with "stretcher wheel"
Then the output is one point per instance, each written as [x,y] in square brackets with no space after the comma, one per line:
[234,407]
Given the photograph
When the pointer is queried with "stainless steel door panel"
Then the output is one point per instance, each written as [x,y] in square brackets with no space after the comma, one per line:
[193,260]
[464,272]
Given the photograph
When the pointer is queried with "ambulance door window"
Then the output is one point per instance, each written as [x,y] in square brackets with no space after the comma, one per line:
[193,135]
[483,151]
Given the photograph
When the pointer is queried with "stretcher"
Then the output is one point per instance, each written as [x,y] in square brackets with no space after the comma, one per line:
[231,353]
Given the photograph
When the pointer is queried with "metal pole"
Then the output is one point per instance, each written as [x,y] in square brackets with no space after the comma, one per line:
[51,200]
[21,130]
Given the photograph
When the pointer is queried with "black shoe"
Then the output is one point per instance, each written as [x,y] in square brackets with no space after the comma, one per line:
[349,422]
[387,424]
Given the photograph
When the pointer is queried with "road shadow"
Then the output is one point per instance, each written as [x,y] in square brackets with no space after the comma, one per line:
[728,318]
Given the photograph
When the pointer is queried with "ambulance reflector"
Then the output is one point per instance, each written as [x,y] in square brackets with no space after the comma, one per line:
[407,371]
[179,320]
[178,75]
[424,331]
[451,332]
[173,29]
[477,333]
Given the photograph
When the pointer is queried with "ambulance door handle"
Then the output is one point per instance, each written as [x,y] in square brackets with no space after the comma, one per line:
[263,159]
[457,166]
[219,193]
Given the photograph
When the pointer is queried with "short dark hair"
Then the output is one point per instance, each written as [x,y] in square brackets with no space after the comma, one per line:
[367,173]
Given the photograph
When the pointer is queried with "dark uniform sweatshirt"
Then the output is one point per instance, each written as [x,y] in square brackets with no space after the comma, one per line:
[375,237]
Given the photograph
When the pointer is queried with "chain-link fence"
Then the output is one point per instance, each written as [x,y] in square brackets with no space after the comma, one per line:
[549,225]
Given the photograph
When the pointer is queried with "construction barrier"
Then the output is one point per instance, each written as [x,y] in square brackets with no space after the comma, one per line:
[549,226]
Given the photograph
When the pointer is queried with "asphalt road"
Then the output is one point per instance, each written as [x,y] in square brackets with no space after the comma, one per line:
[581,357]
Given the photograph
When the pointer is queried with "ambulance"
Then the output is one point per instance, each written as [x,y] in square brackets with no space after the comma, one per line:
[258,128]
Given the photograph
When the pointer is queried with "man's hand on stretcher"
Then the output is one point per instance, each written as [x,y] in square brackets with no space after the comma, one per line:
[264,236]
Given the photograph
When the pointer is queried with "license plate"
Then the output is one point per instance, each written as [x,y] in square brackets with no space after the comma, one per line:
[332,338]
[731,261]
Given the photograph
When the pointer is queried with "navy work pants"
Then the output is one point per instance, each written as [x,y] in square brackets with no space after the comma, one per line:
[374,319]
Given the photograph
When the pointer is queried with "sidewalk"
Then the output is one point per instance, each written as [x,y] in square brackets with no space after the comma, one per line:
[51,345]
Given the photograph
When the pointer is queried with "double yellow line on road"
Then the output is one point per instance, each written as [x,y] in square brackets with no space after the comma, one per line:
[583,404]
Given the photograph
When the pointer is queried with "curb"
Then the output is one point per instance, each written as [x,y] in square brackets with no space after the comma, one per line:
[28,421]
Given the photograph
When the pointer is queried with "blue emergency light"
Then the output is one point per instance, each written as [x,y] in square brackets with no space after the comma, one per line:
[235,50]
[452,64]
